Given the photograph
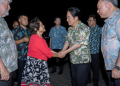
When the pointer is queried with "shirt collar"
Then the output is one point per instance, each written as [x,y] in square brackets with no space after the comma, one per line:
[77,26]
[22,27]
[115,13]
[56,28]
[94,27]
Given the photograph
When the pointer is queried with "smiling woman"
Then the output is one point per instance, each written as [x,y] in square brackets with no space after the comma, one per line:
[38,53]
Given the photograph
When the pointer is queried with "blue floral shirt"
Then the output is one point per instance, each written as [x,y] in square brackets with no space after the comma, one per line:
[57,37]
[20,33]
[110,41]
[95,35]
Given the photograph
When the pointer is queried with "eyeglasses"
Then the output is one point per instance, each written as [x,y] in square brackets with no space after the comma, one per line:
[89,20]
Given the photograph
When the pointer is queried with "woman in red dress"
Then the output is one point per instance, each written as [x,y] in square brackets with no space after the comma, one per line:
[35,72]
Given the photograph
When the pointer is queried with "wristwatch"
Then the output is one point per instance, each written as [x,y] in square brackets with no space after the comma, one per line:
[117,67]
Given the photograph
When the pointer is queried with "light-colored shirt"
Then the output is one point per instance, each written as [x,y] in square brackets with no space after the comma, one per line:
[79,35]
[110,42]
[95,35]
[57,37]
[8,50]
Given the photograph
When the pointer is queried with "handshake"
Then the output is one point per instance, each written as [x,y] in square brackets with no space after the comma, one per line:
[60,54]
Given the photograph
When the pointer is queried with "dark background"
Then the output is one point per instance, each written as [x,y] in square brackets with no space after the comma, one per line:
[46,10]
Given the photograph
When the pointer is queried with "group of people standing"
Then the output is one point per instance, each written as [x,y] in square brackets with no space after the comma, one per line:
[25,48]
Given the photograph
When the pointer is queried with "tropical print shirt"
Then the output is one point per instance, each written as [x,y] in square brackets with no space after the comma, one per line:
[8,50]
[57,37]
[79,35]
[20,33]
[110,42]
[95,38]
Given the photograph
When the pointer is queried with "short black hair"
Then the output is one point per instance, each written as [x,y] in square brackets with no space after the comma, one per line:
[22,14]
[92,15]
[75,12]
[56,18]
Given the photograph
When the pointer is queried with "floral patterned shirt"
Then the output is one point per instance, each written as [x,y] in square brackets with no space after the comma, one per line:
[57,37]
[79,35]
[95,35]
[20,33]
[110,42]
[8,50]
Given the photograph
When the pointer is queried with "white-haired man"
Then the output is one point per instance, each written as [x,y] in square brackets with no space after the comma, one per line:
[110,41]
[8,51]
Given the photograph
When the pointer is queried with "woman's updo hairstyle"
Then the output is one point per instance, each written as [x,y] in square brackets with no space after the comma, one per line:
[34,25]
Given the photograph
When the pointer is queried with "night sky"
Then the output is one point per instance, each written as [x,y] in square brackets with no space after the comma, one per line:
[46,10]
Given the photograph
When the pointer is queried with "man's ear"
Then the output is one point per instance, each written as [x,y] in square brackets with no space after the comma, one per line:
[109,5]
[76,18]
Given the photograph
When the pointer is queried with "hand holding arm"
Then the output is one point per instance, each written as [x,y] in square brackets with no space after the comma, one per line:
[25,39]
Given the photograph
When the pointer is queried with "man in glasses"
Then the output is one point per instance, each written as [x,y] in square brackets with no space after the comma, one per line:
[95,34]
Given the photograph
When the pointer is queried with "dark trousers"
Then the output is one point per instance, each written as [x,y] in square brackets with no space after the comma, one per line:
[14,75]
[95,66]
[21,64]
[60,61]
[6,83]
[112,81]
[79,74]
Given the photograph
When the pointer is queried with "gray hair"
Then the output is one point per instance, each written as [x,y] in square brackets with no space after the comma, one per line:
[1,1]
[114,2]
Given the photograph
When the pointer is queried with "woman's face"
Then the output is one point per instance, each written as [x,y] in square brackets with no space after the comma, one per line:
[42,27]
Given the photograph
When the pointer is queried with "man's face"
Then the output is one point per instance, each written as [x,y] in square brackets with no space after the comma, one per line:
[91,21]
[102,9]
[15,24]
[23,20]
[70,19]
[4,8]
[57,21]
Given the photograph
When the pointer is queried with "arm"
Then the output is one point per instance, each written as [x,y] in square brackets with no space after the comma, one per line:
[118,60]
[55,54]
[3,71]
[17,39]
[42,47]
[72,48]
[115,72]
[82,39]
[25,39]
[65,46]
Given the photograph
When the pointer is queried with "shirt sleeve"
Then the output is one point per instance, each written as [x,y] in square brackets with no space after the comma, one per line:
[101,30]
[118,29]
[50,34]
[15,34]
[64,35]
[83,37]
[2,37]
[40,44]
